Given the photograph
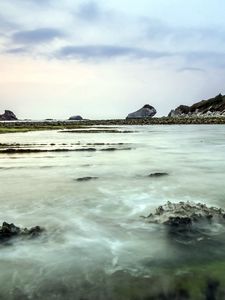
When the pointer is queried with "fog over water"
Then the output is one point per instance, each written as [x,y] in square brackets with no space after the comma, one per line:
[95,241]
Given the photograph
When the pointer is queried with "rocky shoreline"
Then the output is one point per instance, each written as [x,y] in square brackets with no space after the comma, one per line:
[25,126]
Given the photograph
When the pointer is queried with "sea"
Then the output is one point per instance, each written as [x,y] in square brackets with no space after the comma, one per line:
[97,243]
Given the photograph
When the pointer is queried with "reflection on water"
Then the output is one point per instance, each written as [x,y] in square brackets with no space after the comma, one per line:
[96,245]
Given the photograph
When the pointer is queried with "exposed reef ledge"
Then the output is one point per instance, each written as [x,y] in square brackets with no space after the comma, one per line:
[23,126]
[26,150]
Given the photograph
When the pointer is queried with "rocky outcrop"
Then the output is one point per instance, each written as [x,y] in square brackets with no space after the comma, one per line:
[188,223]
[179,111]
[8,116]
[75,118]
[147,111]
[211,107]
[185,215]
[9,231]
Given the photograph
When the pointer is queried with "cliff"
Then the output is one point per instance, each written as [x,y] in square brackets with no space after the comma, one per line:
[211,107]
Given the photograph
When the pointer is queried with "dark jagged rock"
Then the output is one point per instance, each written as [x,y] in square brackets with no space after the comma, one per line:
[8,116]
[147,111]
[8,231]
[158,174]
[179,111]
[211,107]
[75,118]
[186,216]
[86,178]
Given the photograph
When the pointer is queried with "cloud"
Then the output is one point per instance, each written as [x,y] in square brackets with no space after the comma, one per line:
[192,61]
[159,30]
[207,57]
[36,36]
[191,69]
[106,52]
[37,2]
[109,32]
[19,50]
[89,11]
[6,24]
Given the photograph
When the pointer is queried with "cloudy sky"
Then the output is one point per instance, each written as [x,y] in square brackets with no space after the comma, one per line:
[104,59]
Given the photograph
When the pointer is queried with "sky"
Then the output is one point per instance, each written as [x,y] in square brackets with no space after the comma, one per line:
[104,59]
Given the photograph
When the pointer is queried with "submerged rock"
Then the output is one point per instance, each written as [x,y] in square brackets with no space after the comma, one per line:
[158,174]
[8,116]
[8,231]
[88,178]
[147,111]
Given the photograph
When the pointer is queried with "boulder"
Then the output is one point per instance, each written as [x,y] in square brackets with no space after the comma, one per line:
[75,118]
[9,231]
[185,213]
[211,107]
[187,224]
[8,116]
[147,111]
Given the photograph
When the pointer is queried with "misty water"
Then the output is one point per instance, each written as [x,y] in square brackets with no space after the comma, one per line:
[96,244]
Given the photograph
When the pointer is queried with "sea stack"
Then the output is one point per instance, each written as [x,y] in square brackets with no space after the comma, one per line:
[211,107]
[75,118]
[8,116]
[147,111]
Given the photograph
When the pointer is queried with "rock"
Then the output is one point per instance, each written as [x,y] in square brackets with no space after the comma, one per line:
[8,116]
[147,111]
[186,217]
[86,178]
[29,150]
[116,149]
[75,118]
[158,174]
[211,107]
[8,231]
[180,110]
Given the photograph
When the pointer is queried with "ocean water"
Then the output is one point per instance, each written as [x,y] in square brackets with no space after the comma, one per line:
[96,244]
